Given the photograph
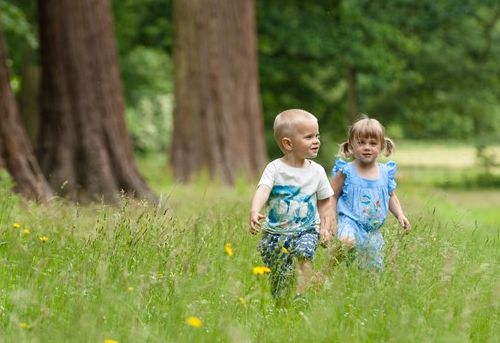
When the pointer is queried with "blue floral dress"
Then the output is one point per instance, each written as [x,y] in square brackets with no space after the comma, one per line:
[362,208]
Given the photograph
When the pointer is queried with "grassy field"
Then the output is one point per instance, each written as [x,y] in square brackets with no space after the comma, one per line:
[137,273]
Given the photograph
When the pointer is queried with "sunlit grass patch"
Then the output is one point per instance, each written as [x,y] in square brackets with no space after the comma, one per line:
[136,272]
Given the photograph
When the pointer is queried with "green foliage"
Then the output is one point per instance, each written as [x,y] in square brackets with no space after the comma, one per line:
[146,23]
[428,67]
[17,22]
[144,34]
[150,123]
[150,99]
[141,66]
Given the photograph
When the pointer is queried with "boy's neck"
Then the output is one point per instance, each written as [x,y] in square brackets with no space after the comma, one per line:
[295,162]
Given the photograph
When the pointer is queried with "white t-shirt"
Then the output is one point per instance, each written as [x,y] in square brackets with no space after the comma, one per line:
[292,204]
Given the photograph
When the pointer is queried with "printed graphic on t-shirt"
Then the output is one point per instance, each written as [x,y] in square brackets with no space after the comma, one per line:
[290,209]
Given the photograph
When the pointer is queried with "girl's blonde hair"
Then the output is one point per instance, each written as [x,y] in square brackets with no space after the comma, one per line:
[366,128]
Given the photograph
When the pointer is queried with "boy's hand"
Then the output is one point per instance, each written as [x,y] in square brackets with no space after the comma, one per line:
[325,237]
[334,228]
[404,222]
[255,218]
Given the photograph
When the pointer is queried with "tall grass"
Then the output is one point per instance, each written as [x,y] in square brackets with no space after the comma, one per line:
[135,273]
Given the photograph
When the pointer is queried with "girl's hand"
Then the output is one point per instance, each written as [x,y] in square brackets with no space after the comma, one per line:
[255,218]
[404,222]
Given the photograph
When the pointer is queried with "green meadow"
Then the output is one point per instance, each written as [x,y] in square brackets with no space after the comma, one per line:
[133,272]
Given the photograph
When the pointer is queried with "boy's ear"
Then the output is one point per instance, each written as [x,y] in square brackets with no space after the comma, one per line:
[287,143]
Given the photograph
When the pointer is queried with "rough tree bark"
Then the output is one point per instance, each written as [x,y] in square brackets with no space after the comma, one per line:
[16,153]
[218,122]
[28,100]
[84,148]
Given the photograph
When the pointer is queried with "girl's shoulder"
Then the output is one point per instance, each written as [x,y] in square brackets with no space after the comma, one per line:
[341,166]
[391,168]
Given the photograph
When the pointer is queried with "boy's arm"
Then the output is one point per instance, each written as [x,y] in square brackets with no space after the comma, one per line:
[397,211]
[327,217]
[259,199]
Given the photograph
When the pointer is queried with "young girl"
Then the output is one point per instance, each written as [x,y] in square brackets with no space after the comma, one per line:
[364,191]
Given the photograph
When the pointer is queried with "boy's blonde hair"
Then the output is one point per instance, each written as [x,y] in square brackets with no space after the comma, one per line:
[366,128]
[285,124]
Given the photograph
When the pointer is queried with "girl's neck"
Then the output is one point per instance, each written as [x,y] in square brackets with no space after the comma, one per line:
[367,170]
[293,161]
[365,165]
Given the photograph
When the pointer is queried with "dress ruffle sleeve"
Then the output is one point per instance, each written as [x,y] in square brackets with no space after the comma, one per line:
[391,175]
[343,167]
[340,165]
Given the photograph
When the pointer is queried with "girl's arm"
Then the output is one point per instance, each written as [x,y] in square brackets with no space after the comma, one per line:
[397,211]
[337,184]
[259,199]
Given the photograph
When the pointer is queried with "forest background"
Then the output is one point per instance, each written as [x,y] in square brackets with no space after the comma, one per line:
[427,69]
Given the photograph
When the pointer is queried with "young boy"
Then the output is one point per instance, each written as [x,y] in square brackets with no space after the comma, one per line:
[299,199]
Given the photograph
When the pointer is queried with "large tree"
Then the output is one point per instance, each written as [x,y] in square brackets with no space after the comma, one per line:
[16,154]
[85,150]
[218,123]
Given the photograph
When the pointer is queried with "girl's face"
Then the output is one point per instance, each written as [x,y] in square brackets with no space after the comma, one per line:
[366,149]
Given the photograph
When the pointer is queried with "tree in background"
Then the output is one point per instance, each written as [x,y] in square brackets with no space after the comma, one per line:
[84,149]
[16,154]
[218,119]
[426,68]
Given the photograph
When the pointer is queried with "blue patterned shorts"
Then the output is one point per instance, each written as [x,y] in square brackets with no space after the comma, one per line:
[369,245]
[278,252]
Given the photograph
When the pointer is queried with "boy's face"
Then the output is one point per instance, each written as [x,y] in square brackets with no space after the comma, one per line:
[304,143]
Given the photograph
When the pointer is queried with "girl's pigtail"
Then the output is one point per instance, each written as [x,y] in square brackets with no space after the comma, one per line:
[389,146]
[344,150]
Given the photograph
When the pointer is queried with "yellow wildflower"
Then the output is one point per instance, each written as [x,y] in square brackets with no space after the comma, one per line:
[109,340]
[194,322]
[260,270]
[228,249]
[26,231]
[242,301]
[130,289]
[16,225]
[43,239]
[284,250]
[24,325]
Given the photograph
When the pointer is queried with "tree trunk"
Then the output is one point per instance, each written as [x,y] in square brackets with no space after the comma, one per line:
[218,123]
[16,154]
[84,147]
[29,99]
